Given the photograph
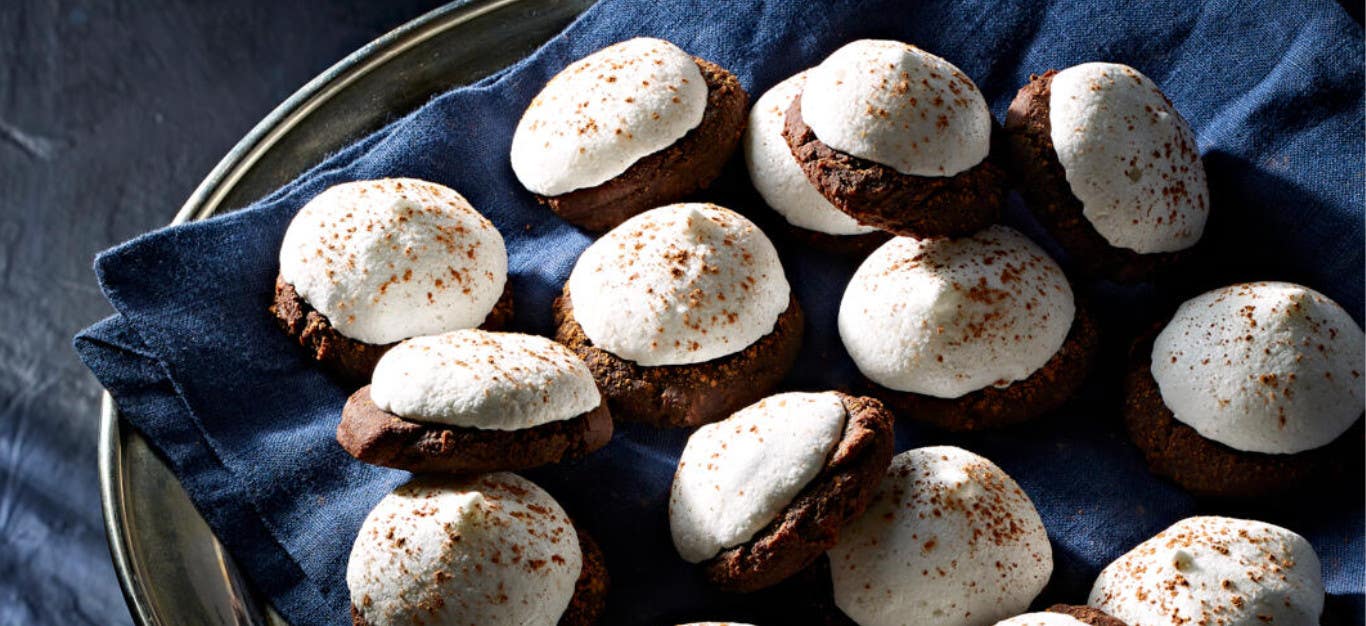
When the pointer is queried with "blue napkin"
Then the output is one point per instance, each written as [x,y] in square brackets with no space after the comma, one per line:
[1272,88]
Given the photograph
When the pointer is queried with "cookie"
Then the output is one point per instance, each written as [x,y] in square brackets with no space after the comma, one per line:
[1110,168]
[775,174]
[475,401]
[493,549]
[682,313]
[949,538]
[760,495]
[366,264]
[630,127]
[898,139]
[590,591]
[1249,390]
[966,334]
[1214,570]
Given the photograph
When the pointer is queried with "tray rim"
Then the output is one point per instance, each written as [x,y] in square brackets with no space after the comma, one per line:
[205,201]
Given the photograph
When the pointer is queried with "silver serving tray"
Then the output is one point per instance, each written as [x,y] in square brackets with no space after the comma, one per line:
[171,567]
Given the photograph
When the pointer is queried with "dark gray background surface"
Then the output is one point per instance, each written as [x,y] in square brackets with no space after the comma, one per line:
[110,114]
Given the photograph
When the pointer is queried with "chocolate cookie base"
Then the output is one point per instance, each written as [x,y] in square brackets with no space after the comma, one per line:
[993,407]
[685,395]
[590,590]
[1040,178]
[811,523]
[378,437]
[689,165]
[1094,617]
[348,359]
[877,195]
[1206,467]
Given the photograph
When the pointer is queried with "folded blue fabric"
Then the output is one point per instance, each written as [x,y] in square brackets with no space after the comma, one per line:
[194,361]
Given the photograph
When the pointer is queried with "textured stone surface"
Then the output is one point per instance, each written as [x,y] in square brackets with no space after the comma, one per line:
[110,114]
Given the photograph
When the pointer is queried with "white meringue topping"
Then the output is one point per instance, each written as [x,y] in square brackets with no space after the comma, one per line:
[492,550]
[895,104]
[1214,570]
[479,379]
[946,317]
[604,112]
[949,539]
[683,283]
[1129,157]
[736,475]
[388,259]
[1262,367]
